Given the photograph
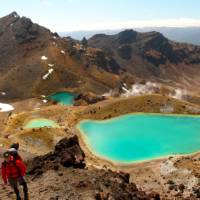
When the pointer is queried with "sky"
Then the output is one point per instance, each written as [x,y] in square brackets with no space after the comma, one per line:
[75,15]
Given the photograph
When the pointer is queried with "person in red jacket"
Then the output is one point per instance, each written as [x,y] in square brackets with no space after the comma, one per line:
[13,171]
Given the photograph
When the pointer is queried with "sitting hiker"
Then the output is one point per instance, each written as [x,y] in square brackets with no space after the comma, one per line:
[13,171]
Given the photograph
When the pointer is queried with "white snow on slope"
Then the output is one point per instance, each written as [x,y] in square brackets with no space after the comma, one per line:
[45,100]
[6,107]
[44,58]
[51,65]
[15,15]
[50,71]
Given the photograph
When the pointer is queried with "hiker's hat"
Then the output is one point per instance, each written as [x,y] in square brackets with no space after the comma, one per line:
[12,150]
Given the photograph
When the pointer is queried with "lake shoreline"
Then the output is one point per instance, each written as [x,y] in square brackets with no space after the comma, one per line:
[163,120]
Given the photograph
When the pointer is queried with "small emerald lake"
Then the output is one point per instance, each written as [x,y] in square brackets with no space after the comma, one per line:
[39,123]
[64,98]
[138,137]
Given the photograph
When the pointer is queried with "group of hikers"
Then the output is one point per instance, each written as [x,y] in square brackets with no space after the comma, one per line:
[13,171]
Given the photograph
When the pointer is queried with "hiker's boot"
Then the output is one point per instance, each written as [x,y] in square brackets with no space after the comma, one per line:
[25,192]
[17,194]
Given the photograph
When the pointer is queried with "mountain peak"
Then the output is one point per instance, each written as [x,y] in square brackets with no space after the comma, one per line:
[127,32]
[20,29]
[11,17]
[14,14]
[127,36]
[157,34]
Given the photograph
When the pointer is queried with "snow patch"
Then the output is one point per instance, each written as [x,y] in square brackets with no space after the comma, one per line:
[62,51]
[15,15]
[50,71]
[3,93]
[45,100]
[44,58]
[51,65]
[6,107]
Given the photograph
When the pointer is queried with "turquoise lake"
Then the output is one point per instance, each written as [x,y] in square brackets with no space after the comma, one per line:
[138,137]
[64,98]
[39,123]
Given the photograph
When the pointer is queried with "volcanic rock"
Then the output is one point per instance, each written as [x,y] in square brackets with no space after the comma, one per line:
[67,153]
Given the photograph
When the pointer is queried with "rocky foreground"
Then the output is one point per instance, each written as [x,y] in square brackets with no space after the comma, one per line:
[62,174]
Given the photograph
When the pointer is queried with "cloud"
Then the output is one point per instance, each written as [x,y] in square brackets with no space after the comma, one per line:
[181,22]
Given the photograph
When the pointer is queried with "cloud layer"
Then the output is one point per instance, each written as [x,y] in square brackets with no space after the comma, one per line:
[181,22]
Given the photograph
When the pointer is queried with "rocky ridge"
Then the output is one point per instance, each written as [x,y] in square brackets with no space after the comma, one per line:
[151,56]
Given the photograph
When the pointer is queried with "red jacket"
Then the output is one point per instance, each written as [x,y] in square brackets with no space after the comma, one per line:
[15,155]
[12,169]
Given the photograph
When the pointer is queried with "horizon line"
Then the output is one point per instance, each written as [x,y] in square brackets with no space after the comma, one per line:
[130,28]
[154,23]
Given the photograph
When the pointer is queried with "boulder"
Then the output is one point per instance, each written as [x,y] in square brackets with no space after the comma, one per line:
[67,153]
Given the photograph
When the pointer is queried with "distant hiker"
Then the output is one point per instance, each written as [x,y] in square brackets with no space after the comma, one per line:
[13,171]
[14,151]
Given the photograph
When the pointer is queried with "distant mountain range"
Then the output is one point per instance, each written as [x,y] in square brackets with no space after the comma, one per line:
[34,61]
[188,35]
[151,56]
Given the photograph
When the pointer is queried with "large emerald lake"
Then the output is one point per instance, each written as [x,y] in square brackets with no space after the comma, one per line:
[138,137]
